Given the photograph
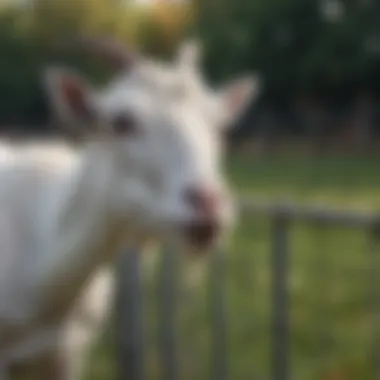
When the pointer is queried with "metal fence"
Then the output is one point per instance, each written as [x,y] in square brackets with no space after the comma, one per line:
[131,364]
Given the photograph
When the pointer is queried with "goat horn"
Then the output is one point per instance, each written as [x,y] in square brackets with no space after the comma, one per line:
[112,51]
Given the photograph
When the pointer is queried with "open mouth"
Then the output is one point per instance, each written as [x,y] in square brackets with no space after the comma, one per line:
[202,235]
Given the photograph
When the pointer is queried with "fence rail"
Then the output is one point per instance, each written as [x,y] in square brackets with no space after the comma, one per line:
[309,214]
[130,311]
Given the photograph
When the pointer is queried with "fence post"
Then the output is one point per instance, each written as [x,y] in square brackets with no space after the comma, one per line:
[129,318]
[218,310]
[324,278]
[167,310]
[280,299]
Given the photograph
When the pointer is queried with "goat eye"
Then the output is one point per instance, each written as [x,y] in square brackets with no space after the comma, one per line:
[125,124]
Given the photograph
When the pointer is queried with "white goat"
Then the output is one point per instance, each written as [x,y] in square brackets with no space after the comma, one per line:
[150,166]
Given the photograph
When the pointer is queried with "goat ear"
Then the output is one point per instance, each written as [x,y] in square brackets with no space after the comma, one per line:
[238,95]
[70,97]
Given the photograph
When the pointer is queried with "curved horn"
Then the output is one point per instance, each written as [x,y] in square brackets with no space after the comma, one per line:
[190,53]
[112,51]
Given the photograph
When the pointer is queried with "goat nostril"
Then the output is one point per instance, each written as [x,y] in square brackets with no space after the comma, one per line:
[202,200]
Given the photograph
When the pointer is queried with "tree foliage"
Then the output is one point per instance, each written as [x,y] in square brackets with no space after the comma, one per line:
[30,36]
[328,49]
[297,45]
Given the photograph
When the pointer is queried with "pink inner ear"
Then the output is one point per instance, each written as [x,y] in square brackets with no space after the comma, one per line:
[236,97]
[75,96]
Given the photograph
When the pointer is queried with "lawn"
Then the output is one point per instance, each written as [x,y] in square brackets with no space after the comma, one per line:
[331,324]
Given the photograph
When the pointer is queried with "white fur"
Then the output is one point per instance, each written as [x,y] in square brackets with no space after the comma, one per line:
[66,213]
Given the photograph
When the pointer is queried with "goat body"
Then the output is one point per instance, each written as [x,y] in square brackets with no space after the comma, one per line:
[149,165]
[55,233]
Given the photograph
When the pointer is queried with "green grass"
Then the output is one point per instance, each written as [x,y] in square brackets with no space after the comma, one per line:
[338,181]
[331,321]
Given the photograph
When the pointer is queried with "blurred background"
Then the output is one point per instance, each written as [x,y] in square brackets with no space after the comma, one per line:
[311,138]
